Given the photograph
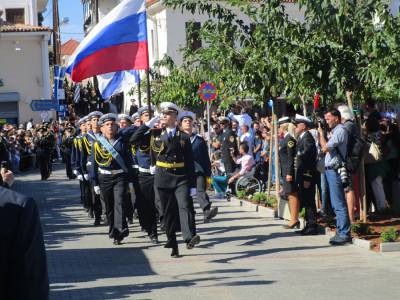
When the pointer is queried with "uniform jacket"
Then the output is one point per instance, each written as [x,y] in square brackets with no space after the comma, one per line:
[287,153]
[176,150]
[228,141]
[23,266]
[306,158]
[201,157]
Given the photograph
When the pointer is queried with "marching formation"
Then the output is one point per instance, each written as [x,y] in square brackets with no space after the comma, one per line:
[153,165]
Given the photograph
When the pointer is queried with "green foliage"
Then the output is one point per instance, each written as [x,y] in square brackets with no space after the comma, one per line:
[338,51]
[389,235]
[241,194]
[360,228]
[259,197]
[302,213]
[271,201]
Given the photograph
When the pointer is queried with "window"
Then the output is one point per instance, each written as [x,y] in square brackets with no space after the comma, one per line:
[15,15]
[193,35]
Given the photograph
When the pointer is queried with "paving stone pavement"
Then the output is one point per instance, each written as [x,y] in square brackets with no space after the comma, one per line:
[241,256]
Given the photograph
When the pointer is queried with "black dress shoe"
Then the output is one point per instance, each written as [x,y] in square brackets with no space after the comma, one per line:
[310,231]
[154,240]
[209,214]
[339,241]
[175,252]
[96,222]
[193,241]
[130,221]
[117,242]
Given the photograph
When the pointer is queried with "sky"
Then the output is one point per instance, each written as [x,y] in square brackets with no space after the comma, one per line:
[71,9]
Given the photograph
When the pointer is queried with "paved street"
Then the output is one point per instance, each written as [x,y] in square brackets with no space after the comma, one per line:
[241,256]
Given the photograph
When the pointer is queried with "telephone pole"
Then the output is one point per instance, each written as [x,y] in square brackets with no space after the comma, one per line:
[56,34]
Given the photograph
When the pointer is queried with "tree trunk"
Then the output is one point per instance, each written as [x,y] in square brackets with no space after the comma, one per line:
[303,101]
[349,97]
[276,159]
[271,144]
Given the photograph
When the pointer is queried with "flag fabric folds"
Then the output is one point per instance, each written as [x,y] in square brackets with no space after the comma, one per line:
[117,43]
[77,95]
[114,83]
[59,93]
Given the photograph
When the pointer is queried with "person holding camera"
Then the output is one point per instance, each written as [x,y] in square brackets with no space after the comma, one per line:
[336,151]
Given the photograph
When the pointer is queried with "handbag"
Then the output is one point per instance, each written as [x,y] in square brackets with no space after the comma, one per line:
[373,154]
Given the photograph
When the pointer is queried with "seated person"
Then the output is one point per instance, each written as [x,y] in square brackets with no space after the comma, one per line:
[246,162]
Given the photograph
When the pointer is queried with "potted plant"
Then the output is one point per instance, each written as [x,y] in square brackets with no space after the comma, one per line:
[389,237]
[258,198]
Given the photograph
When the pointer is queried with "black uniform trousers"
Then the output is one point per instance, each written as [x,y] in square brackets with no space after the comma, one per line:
[145,203]
[43,162]
[96,205]
[68,166]
[201,196]
[86,194]
[178,209]
[307,200]
[113,189]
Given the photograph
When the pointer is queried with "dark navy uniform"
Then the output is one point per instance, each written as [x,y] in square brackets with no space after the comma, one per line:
[66,148]
[228,142]
[145,200]
[23,266]
[44,145]
[112,178]
[202,166]
[306,161]
[287,154]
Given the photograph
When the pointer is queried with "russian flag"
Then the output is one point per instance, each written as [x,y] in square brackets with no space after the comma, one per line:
[117,43]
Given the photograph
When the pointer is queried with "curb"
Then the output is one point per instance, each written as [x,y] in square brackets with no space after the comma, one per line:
[389,247]
[265,212]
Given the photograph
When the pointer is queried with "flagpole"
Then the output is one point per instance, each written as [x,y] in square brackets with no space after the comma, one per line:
[148,87]
[139,92]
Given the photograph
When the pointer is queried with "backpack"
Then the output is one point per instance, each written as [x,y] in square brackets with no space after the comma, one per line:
[355,151]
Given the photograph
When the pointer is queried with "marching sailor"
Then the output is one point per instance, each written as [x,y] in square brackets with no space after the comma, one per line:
[202,164]
[174,179]
[145,200]
[111,173]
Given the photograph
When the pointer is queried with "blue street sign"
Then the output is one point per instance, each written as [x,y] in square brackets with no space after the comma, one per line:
[43,105]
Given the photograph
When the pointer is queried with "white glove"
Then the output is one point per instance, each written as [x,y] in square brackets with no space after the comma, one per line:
[96,190]
[153,122]
[152,170]
[86,176]
[76,173]
[80,177]
[193,192]
[131,189]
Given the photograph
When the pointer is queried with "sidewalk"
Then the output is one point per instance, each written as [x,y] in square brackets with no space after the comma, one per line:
[241,256]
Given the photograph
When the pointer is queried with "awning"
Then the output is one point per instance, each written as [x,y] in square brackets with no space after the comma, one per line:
[9,97]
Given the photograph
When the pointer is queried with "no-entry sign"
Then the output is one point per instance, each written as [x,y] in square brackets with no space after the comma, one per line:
[208,92]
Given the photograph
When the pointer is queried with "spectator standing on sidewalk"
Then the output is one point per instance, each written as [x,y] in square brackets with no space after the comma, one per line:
[336,151]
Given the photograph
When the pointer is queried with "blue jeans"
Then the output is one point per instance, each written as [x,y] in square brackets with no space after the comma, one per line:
[324,194]
[338,203]
[220,183]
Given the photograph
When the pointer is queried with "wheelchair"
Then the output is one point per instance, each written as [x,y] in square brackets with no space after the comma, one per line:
[248,183]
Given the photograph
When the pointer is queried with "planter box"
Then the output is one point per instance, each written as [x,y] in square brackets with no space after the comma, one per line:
[283,210]
[390,247]
[362,243]
[265,212]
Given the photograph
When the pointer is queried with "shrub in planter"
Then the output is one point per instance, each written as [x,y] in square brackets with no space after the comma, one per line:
[271,202]
[259,198]
[241,194]
[302,213]
[360,228]
[390,235]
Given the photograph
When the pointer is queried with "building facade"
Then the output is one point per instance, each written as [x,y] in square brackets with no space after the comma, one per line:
[24,60]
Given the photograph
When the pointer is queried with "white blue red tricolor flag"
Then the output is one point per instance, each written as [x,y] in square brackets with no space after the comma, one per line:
[117,43]
[114,83]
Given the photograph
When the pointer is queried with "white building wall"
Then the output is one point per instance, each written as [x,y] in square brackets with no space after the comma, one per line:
[30,7]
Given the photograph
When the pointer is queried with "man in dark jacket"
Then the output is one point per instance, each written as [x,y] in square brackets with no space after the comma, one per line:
[23,266]
[306,161]
[202,164]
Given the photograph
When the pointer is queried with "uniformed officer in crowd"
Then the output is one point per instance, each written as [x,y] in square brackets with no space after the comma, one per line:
[175,178]
[98,204]
[43,146]
[287,154]
[228,146]
[111,173]
[67,143]
[78,161]
[305,163]
[145,200]
[202,164]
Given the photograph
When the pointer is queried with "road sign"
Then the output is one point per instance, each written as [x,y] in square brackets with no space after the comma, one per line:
[42,105]
[208,92]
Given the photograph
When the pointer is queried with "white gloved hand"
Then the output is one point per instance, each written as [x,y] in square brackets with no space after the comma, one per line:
[80,177]
[153,121]
[96,190]
[76,173]
[131,189]
[152,170]
[86,176]
[193,192]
